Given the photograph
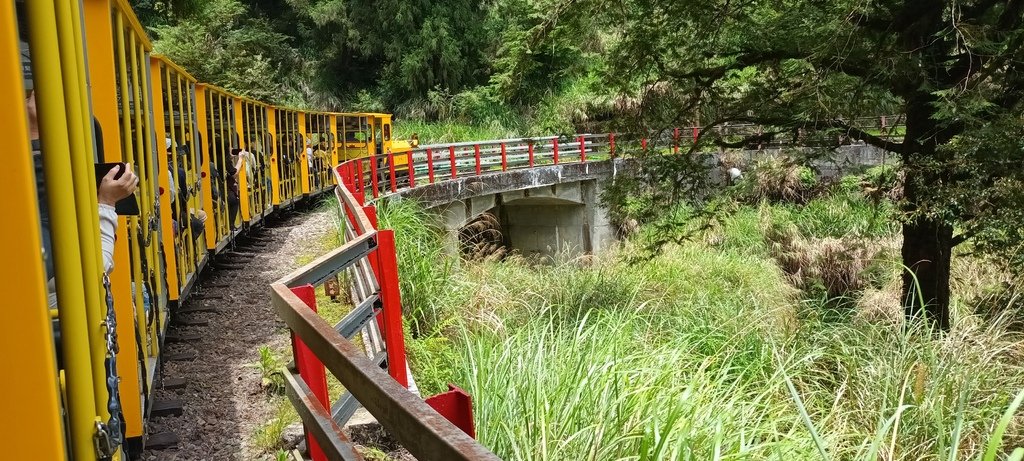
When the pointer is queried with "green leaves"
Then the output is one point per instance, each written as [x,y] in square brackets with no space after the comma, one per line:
[224,44]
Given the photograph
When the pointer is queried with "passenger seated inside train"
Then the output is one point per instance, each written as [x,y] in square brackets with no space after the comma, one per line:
[111,189]
[180,192]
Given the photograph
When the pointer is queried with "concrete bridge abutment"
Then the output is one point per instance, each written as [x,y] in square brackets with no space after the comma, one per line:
[547,211]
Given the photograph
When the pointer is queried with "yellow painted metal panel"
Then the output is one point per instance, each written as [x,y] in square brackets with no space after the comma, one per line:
[127,260]
[275,175]
[202,117]
[166,211]
[69,274]
[305,150]
[80,139]
[337,142]
[32,400]
[243,180]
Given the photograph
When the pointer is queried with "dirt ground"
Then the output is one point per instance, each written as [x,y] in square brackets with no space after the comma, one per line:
[224,404]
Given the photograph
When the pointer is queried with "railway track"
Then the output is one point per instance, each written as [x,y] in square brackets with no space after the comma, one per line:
[210,396]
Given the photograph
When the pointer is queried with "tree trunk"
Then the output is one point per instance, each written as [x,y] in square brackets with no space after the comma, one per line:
[927,240]
[927,247]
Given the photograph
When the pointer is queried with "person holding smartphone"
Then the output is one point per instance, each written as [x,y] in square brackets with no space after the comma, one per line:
[111,189]
[114,186]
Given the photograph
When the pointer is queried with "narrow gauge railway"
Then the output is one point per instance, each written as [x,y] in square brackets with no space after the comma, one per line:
[83,88]
[89,300]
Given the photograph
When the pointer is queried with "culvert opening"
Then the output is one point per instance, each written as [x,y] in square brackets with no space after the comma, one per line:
[482,239]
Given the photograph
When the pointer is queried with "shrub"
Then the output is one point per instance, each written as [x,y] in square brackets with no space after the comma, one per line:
[781,179]
[839,268]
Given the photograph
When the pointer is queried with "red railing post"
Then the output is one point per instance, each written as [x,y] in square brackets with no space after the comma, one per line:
[504,158]
[456,406]
[451,155]
[371,215]
[611,144]
[391,170]
[675,140]
[343,174]
[554,150]
[394,338]
[476,154]
[373,176]
[643,144]
[311,370]
[430,165]
[696,133]
[583,149]
[530,149]
[362,182]
[412,172]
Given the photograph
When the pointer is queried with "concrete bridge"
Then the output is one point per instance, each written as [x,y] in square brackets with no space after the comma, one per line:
[542,211]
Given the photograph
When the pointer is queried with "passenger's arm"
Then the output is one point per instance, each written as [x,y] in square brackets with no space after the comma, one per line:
[108,227]
[110,191]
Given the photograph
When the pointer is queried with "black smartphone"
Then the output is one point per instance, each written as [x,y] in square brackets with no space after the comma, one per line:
[128,206]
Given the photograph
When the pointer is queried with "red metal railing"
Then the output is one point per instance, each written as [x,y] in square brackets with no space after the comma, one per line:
[368,261]
[442,162]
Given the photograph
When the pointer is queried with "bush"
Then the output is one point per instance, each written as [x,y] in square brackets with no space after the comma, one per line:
[781,179]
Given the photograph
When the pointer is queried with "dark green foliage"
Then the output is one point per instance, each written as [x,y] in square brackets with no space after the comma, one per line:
[224,44]
[804,69]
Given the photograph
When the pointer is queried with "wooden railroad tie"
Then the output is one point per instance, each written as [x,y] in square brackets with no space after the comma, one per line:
[228,267]
[181,337]
[173,383]
[191,309]
[167,407]
[209,296]
[192,322]
[162,441]
[180,357]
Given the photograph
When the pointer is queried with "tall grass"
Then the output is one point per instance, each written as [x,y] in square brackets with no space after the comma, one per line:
[426,272]
[703,352]
[689,357]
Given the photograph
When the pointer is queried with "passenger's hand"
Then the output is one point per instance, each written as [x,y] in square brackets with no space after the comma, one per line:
[111,190]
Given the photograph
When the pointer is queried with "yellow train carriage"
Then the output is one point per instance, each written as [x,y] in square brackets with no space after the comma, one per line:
[369,135]
[288,162]
[181,205]
[121,93]
[88,344]
[219,133]
[254,180]
[60,397]
[320,133]
[356,135]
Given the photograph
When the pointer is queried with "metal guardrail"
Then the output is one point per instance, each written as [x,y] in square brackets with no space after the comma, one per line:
[382,175]
[367,260]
